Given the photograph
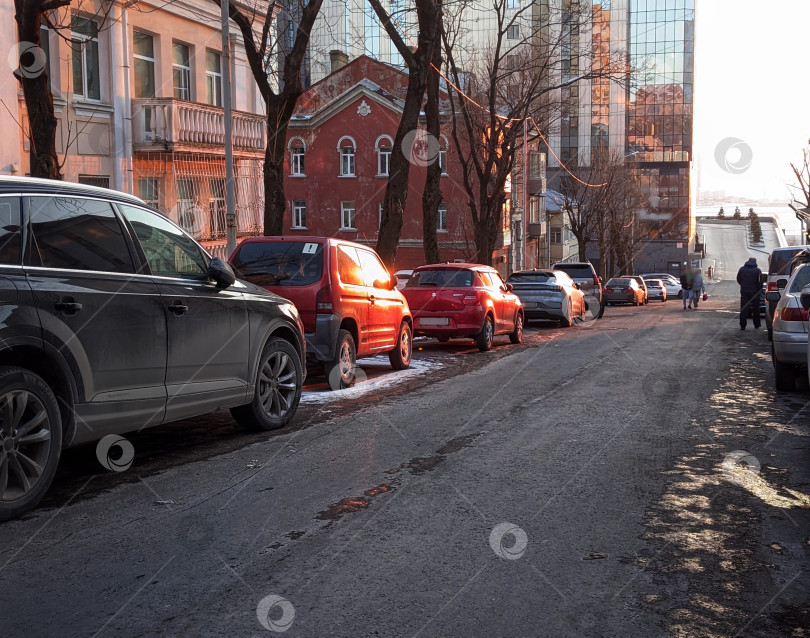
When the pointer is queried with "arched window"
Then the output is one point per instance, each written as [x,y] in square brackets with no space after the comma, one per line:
[384,146]
[346,148]
[297,148]
[443,144]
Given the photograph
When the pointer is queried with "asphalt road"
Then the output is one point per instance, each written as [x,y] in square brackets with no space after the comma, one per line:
[635,476]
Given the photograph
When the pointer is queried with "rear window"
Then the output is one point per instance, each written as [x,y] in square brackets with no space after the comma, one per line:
[441,278]
[618,283]
[800,279]
[528,277]
[279,263]
[780,260]
[576,271]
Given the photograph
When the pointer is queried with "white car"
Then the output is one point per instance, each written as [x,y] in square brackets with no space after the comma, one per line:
[402,278]
[789,345]
[673,285]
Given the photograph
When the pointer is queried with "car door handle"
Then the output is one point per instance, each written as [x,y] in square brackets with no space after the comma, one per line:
[371,298]
[178,308]
[68,306]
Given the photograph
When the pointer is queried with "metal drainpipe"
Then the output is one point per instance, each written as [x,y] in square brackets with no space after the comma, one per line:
[128,177]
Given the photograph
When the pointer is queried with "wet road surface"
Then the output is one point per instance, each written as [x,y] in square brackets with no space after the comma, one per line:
[634,476]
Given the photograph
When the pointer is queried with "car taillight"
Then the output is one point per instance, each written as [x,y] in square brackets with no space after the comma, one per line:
[323,300]
[607,289]
[472,298]
[793,314]
[773,287]
[596,280]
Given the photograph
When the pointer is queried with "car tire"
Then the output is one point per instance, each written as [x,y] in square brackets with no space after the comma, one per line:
[487,334]
[601,310]
[680,294]
[516,336]
[38,440]
[785,375]
[400,357]
[341,371]
[279,377]
[568,318]
[636,301]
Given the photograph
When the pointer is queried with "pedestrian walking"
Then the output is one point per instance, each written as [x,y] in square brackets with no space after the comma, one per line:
[686,287]
[697,287]
[750,279]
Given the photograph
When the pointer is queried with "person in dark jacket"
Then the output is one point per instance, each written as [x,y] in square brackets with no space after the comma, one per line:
[686,287]
[750,279]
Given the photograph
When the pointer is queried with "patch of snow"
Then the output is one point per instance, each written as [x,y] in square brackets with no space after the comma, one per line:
[371,367]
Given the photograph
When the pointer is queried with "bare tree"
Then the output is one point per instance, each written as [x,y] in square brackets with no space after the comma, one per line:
[501,79]
[800,191]
[265,50]
[418,61]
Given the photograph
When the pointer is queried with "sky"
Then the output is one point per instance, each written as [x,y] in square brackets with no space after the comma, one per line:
[750,85]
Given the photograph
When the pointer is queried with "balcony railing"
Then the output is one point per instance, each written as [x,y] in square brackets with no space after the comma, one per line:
[176,125]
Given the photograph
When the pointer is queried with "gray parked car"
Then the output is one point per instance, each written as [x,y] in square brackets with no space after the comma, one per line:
[548,294]
[114,320]
[789,345]
[583,273]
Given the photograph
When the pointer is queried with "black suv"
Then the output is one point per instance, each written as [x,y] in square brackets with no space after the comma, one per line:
[114,320]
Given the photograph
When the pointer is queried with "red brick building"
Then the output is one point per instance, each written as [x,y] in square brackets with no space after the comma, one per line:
[339,146]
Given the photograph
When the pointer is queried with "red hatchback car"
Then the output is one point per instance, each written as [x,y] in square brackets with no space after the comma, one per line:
[463,300]
[348,302]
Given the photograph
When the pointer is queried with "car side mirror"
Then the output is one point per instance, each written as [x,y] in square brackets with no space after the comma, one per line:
[385,284]
[508,287]
[773,296]
[804,297]
[221,273]
[577,286]
[781,283]
[601,280]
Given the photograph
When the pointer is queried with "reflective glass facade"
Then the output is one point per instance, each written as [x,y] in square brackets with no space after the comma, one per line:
[659,111]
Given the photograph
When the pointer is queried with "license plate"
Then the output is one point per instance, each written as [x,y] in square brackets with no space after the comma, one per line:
[530,304]
[434,321]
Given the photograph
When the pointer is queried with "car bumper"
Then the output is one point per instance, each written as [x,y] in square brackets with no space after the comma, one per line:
[610,298]
[449,323]
[790,347]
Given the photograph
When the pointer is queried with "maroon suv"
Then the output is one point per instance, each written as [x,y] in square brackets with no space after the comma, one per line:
[347,300]
[463,300]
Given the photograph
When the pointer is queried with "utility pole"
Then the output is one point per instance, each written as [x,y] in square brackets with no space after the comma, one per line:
[230,206]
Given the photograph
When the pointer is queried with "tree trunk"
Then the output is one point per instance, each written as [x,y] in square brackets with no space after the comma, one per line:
[432,195]
[38,97]
[396,191]
[275,204]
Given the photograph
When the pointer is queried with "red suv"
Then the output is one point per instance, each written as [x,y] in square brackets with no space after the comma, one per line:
[463,300]
[348,302]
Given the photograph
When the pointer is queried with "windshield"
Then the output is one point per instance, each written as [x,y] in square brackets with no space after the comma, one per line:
[441,278]
[279,263]
[580,271]
[529,277]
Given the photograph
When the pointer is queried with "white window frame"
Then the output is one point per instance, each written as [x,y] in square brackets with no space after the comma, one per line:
[384,156]
[347,157]
[441,218]
[443,145]
[213,80]
[82,41]
[348,213]
[297,166]
[185,71]
[299,214]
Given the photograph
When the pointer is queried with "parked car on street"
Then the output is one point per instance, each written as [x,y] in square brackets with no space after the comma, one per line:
[622,290]
[349,304]
[402,277]
[115,319]
[779,267]
[789,345]
[656,289]
[548,294]
[589,282]
[464,300]
[641,284]
[672,284]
